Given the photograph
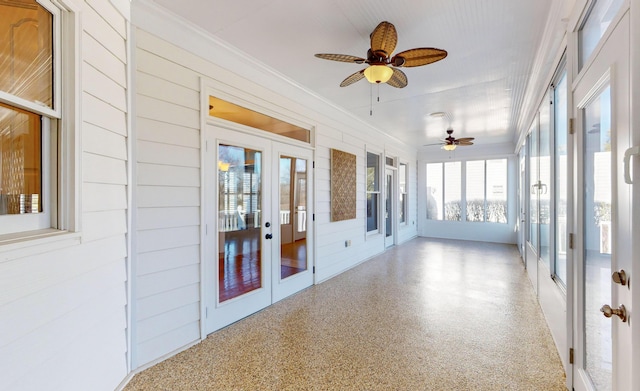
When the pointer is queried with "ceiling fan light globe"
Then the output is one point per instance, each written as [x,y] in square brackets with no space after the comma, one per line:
[378,73]
[449,147]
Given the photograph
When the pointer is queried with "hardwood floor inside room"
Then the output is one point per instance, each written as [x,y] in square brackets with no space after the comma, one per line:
[293,258]
[429,314]
[239,262]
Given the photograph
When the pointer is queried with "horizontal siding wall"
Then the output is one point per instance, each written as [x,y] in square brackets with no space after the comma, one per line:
[167,295]
[168,170]
[63,310]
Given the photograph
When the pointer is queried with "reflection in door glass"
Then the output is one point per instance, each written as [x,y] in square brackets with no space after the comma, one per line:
[293,216]
[597,239]
[239,200]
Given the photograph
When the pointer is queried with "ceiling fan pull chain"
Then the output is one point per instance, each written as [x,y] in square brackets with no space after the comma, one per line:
[370,99]
[378,92]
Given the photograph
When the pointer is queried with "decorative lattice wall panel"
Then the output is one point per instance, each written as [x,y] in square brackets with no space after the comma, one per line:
[343,185]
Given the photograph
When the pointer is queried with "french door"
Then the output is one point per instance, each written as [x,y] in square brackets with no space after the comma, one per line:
[603,354]
[258,236]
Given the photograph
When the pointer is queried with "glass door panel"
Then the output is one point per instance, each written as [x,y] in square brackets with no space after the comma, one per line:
[561,178]
[292,253]
[597,239]
[533,196]
[544,185]
[534,188]
[239,199]
[293,196]
[300,200]
[237,214]
[389,210]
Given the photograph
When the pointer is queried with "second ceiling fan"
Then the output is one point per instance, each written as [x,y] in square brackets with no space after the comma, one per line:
[383,68]
[450,143]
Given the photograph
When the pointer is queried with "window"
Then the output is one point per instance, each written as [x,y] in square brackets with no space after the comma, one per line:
[223,109]
[453,191]
[600,16]
[402,193]
[29,115]
[475,191]
[482,199]
[373,191]
[435,191]
[496,182]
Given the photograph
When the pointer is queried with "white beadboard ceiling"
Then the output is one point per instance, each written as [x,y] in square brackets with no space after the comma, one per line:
[480,85]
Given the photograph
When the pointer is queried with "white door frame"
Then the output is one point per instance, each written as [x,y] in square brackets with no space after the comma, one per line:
[609,66]
[217,315]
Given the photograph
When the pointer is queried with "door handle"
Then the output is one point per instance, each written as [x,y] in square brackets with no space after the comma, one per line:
[627,160]
[619,277]
[268,236]
[620,312]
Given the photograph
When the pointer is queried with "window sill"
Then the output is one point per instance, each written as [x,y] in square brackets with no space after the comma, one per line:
[23,244]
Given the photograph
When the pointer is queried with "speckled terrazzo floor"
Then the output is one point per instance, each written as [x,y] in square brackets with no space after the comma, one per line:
[426,315]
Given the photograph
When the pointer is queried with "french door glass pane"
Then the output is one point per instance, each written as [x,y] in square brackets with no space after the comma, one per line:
[435,191]
[239,200]
[544,188]
[597,239]
[560,117]
[388,209]
[293,203]
[453,191]
[533,188]
[475,190]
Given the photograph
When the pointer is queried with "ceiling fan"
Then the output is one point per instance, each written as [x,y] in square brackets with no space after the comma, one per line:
[450,143]
[383,42]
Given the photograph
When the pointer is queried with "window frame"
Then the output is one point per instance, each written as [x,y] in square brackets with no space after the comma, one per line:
[463,189]
[60,142]
[377,193]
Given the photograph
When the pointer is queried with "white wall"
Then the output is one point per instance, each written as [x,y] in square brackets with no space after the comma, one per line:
[171,59]
[461,230]
[63,299]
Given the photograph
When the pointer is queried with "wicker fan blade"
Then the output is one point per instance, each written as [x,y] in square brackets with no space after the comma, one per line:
[418,57]
[428,145]
[466,139]
[384,38]
[352,78]
[463,143]
[340,57]
[398,79]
